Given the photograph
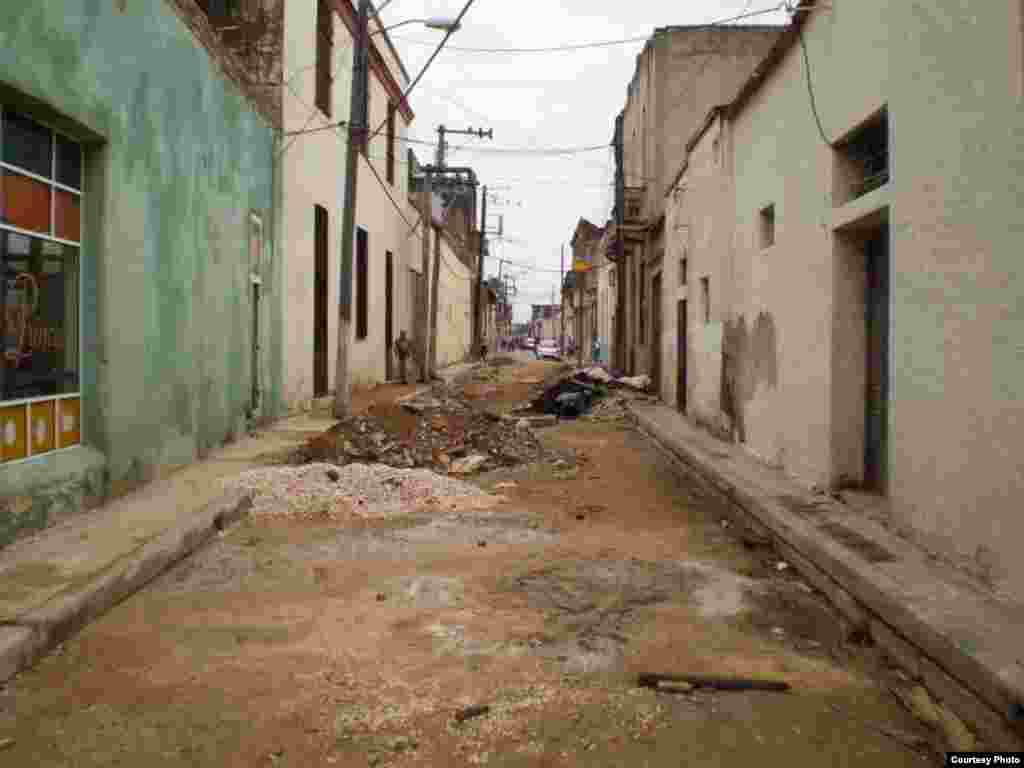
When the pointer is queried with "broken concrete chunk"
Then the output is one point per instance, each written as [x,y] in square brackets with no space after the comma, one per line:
[470,712]
[468,465]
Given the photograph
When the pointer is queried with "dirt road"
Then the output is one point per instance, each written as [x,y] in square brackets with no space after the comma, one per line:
[358,643]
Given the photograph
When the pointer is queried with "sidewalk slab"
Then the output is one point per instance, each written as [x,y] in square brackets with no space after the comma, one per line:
[56,581]
[964,644]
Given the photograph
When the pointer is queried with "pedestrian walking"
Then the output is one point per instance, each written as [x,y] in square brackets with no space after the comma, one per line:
[402,350]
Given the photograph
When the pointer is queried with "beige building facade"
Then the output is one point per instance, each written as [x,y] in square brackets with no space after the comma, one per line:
[317,54]
[852,281]
[681,73]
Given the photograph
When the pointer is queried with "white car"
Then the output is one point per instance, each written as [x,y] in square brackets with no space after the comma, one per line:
[549,349]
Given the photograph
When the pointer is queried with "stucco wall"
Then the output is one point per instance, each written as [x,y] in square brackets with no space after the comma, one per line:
[314,174]
[783,314]
[455,308]
[956,160]
[176,162]
[699,229]
[389,230]
[957,417]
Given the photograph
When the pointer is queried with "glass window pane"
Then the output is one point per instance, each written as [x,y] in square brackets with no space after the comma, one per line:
[66,214]
[27,144]
[69,163]
[39,311]
[24,202]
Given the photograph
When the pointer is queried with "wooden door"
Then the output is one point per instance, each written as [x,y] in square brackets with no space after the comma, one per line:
[681,346]
[320,378]
[656,326]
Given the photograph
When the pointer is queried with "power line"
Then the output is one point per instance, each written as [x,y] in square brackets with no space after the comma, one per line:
[451,30]
[599,44]
[810,85]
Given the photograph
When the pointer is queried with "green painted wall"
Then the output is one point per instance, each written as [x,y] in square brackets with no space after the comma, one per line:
[177,159]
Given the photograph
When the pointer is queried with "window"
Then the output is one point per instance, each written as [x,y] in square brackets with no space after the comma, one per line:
[217,11]
[391,144]
[861,161]
[767,226]
[705,295]
[40,225]
[682,271]
[324,55]
[362,284]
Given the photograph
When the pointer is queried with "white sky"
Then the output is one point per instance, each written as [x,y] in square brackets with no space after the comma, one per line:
[563,99]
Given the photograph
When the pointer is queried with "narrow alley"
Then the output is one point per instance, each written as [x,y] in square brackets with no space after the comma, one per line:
[503,622]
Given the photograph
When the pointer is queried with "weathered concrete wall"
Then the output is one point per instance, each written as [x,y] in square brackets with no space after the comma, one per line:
[680,75]
[696,70]
[176,162]
[788,289]
[314,174]
[699,229]
[957,414]
[454,308]
[956,160]
[389,230]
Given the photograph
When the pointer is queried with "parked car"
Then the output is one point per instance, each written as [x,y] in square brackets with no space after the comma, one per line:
[548,349]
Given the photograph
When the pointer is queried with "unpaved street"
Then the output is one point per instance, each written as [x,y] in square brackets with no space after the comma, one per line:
[298,641]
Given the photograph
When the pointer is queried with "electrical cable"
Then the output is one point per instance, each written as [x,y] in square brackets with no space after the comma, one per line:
[440,46]
[810,85]
[599,44]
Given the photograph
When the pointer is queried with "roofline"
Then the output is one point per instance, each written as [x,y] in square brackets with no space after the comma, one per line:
[346,10]
[789,37]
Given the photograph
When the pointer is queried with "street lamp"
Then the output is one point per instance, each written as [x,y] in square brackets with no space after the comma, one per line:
[440,23]
[358,127]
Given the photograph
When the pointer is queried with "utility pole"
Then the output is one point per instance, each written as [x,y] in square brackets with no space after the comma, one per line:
[357,131]
[422,296]
[561,302]
[579,320]
[477,298]
[431,313]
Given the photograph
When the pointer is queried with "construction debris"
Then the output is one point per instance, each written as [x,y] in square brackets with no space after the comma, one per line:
[360,491]
[447,435]
[470,712]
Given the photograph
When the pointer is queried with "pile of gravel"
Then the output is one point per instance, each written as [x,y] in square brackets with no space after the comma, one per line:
[330,492]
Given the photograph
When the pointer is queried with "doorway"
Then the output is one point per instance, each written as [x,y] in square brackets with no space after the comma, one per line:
[320,302]
[389,319]
[255,283]
[876,405]
[656,326]
[681,347]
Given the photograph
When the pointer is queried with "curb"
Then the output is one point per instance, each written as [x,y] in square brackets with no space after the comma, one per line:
[38,631]
[983,694]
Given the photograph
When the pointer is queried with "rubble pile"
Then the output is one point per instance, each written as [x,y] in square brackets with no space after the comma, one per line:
[360,439]
[454,436]
[450,436]
[328,492]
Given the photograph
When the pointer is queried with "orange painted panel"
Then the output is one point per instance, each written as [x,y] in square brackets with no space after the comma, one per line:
[69,422]
[13,437]
[43,433]
[67,219]
[25,202]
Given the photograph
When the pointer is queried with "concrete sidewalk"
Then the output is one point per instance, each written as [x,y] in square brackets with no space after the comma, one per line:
[58,580]
[964,644]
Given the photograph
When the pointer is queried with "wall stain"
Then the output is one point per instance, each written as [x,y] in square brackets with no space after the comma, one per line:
[749,359]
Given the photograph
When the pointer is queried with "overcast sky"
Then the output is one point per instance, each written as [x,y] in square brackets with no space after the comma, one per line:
[536,100]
